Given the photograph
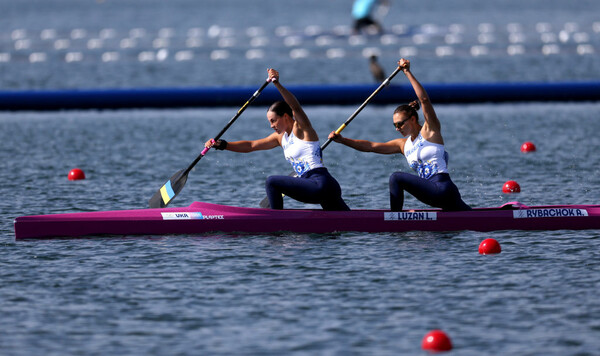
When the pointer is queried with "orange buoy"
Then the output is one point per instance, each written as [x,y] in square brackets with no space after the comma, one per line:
[511,187]
[436,341]
[489,246]
[76,174]
[527,147]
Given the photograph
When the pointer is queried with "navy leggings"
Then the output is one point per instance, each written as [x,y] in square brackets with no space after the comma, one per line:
[438,191]
[316,186]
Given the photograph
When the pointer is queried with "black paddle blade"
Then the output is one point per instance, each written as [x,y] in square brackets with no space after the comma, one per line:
[168,191]
[265,203]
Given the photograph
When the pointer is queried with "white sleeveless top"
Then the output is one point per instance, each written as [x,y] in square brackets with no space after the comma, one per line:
[426,158]
[302,155]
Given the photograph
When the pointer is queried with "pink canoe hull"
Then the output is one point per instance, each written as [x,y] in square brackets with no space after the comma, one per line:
[199,218]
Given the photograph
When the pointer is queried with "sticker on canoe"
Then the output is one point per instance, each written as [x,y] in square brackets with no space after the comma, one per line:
[410,216]
[190,216]
[549,213]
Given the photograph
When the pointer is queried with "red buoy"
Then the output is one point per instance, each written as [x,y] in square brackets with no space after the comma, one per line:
[436,341]
[528,147]
[511,187]
[76,174]
[489,246]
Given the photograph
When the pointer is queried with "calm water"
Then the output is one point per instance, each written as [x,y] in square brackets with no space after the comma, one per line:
[301,294]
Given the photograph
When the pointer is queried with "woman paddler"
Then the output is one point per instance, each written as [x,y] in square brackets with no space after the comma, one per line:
[300,143]
[423,147]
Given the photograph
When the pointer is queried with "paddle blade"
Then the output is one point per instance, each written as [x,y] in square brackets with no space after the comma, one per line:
[265,203]
[168,191]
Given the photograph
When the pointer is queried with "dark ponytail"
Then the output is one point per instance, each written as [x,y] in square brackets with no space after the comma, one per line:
[280,108]
[410,109]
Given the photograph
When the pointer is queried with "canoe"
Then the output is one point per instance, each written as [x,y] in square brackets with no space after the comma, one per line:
[201,218]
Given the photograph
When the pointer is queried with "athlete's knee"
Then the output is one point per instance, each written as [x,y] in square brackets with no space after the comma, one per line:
[274,182]
[398,177]
[270,180]
[397,182]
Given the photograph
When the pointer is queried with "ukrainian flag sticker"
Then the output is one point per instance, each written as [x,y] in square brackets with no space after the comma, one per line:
[167,192]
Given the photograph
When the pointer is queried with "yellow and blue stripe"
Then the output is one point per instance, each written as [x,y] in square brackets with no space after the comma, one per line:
[167,192]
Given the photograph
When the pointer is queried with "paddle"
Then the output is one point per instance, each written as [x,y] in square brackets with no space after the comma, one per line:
[175,184]
[265,202]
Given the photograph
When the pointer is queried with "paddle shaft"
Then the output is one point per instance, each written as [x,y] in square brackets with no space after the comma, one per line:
[362,106]
[173,186]
[265,202]
[240,111]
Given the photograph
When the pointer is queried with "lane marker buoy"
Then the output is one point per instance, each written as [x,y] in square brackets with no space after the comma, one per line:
[528,147]
[511,187]
[436,341]
[489,246]
[76,174]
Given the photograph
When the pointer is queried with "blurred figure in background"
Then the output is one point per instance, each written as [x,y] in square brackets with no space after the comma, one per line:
[376,69]
[362,13]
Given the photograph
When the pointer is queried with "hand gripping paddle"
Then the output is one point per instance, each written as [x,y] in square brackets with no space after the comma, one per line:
[175,184]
